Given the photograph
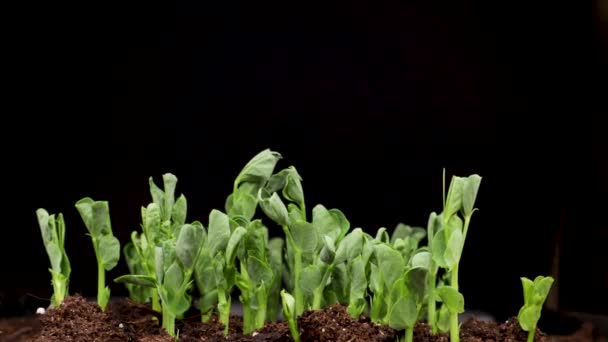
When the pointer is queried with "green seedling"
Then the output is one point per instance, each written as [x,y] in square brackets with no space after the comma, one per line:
[96,217]
[161,221]
[535,294]
[215,272]
[448,242]
[289,306]
[52,229]
[407,299]
[174,267]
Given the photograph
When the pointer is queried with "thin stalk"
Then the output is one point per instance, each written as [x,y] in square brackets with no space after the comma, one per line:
[168,321]
[224,309]
[531,334]
[155,301]
[454,328]
[101,278]
[409,334]
[293,328]
[297,256]
[376,307]
[431,305]
[247,317]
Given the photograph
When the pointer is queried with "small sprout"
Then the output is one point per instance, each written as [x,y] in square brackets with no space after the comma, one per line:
[535,293]
[289,313]
[53,236]
[96,217]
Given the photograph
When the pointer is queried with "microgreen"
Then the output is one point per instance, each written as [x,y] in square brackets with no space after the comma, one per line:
[535,294]
[52,229]
[289,306]
[96,217]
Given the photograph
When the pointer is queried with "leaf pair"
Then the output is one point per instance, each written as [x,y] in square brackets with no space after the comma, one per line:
[535,294]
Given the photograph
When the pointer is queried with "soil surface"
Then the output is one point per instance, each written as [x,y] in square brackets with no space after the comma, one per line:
[81,320]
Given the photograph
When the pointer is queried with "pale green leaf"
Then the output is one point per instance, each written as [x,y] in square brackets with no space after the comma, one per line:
[304,236]
[189,244]
[310,278]
[180,210]
[218,231]
[233,244]
[453,249]
[469,193]
[452,298]
[109,251]
[170,183]
[137,279]
[454,197]
[274,208]
[438,246]
[403,314]
[259,168]
[421,259]
[259,271]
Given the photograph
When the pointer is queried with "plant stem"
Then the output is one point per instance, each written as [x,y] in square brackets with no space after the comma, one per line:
[531,334]
[454,328]
[168,321]
[293,328]
[155,301]
[223,307]
[376,307]
[317,294]
[297,256]
[260,314]
[409,334]
[432,306]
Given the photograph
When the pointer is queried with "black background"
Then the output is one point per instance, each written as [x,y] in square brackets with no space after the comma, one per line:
[369,100]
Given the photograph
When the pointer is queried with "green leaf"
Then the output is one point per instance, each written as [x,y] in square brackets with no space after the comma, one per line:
[180,209]
[453,249]
[100,218]
[289,304]
[137,279]
[528,288]
[174,278]
[170,183]
[402,231]
[382,235]
[542,287]
[55,256]
[443,320]
[415,281]
[43,222]
[327,222]
[241,203]
[310,278]
[376,281]
[295,214]
[293,188]
[219,231]
[469,194]
[158,196]
[109,251]
[438,246]
[189,244]
[421,259]
[343,223]
[233,244]
[455,223]
[358,283]
[390,262]
[454,198]
[259,168]
[451,298]
[328,252]
[304,236]
[85,210]
[274,208]
[159,263]
[350,246]
[528,317]
[152,223]
[403,314]
[259,271]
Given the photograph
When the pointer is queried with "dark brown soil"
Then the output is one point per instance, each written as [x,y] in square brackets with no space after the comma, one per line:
[124,320]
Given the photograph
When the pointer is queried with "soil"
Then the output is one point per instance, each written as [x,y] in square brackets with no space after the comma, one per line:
[81,320]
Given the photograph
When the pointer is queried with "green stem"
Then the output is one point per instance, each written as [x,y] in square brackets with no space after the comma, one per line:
[260,314]
[293,328]
[223,307]
[409,334]
[376,307]
[454,328]
[431,305]
[297,256]
[155,301]
[531,334]
[168,321]
[247,317]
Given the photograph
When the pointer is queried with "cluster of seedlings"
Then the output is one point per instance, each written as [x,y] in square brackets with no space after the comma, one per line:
[390,277]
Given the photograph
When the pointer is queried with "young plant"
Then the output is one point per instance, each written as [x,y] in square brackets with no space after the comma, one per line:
[174,267]
[448,242]
[289,307]
[161,221]
[215,273]
[96,217]
[407,299]
[53,235]
[535,293]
